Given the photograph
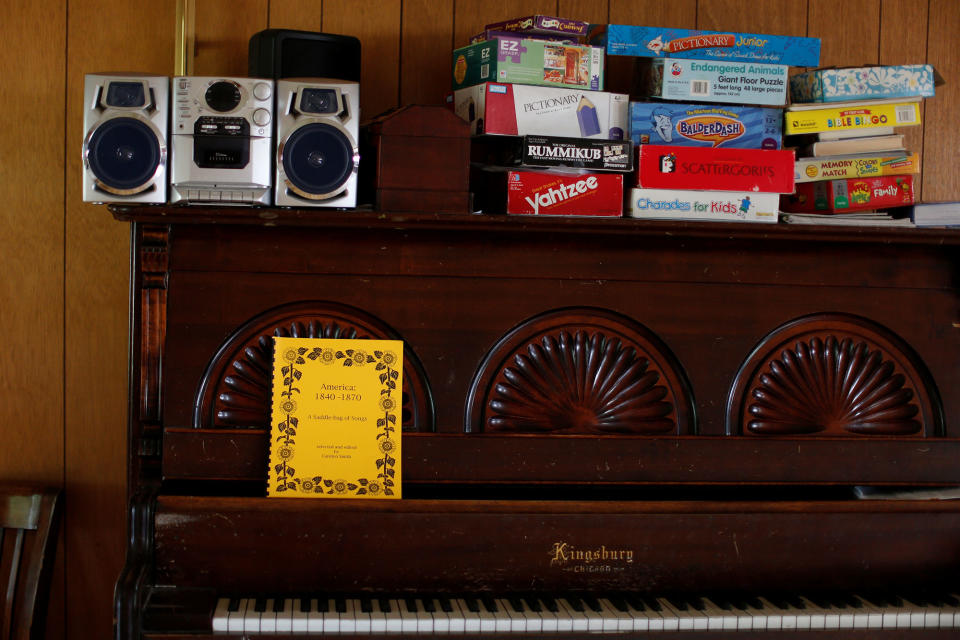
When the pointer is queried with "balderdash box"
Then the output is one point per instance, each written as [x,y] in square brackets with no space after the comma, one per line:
[736,82]
[677,204]
[726,46]
[703,125]
[528,61]
[516,109]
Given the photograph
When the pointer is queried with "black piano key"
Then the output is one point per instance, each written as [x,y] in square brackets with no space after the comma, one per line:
[821,601]
[323,605]
[619,603]
[234,605]
[593,604]
[366,605]
[260,605]
[305,605]
[550,604]
[575,603]
[489,604]
[428,605]
[797,602]
[472,604]
[951,600]
[410,604]
[445,605]
[754,602]
[516,604]
[533,604]
[340,604]
[721,601]
[678,603]
[636,602]
[385,606]
[278,605]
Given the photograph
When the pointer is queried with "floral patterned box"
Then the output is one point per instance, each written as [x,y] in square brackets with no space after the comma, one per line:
[856,83]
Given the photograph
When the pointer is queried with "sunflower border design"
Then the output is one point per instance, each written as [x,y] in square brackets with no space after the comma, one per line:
[386,365]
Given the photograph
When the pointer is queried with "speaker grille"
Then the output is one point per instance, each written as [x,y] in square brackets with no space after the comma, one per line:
[124,154]
[317,159]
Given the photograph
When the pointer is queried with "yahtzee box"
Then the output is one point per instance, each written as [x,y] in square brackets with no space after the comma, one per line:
[705,125]
[712,81]
[548,193]
[677,204]
[515,109]
[756,170]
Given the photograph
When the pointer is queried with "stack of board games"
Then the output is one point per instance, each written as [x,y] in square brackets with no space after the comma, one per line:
[708,127]
[547,139]
[850,156]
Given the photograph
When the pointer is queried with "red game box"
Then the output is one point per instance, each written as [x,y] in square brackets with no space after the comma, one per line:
[556,194]
[675,167]
[852,194]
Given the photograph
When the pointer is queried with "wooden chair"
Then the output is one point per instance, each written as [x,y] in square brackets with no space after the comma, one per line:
[29,519]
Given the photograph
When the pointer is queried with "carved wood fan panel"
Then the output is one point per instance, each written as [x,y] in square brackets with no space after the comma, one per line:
[580,371]
[235,391]
[833,375]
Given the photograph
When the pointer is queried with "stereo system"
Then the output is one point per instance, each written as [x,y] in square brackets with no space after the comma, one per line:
[241,141]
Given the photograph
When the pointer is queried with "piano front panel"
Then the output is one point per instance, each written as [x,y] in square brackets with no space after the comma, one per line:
[263,546]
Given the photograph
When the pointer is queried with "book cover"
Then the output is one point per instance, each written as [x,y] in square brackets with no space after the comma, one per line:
[840,196]
[674,167]
[847,116]
[866,144]
[335,427]
[855,166]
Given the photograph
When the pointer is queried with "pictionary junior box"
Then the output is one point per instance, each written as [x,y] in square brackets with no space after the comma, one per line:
[851,194]
[682,204]
[849,116]
[755,170]
[528,61]
[705,125]
[516,109]
[726,46]
[712,81]
[865,165]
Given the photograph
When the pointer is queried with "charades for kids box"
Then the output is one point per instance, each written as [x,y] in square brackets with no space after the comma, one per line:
[683,204]
[736,82]
[704,125]
[657,42]
[516,109]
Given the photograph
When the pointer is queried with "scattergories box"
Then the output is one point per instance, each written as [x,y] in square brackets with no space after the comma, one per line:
[553,151]
[681,204]
[851,194]
[551,193]
[756,170]
[706,125]
[655,42]
[528,61]
[516,109]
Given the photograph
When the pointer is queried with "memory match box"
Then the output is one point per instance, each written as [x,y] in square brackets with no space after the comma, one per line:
[515,109]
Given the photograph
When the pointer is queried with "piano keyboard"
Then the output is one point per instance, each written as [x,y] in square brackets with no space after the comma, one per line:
[535,614]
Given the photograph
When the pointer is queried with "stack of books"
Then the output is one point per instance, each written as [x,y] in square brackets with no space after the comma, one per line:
[850,155]
[708,124]
[547,139]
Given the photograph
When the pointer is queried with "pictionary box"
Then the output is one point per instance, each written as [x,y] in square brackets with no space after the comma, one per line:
[756,170]
[851,194]
[528,61]
[849,116]
[864,83]
[726,46]
[516,109]
[712,81]
[865,165]
[553,151]
[549,193]
[705,125]
[681,204]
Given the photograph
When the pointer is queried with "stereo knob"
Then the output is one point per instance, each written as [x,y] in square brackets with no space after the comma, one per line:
[261,117]
[262,91]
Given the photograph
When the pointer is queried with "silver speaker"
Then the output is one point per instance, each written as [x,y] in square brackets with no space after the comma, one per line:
[125,144]
[221,140]
[317,154]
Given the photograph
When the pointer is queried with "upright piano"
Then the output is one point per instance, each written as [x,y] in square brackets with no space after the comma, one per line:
[610,427]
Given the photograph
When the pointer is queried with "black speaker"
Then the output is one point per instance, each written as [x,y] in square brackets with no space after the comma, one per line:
[285,53]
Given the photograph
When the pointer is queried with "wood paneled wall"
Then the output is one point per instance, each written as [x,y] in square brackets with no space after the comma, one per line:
[63,294]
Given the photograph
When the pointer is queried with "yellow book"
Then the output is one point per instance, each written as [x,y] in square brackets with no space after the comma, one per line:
[861,116]
[336,418]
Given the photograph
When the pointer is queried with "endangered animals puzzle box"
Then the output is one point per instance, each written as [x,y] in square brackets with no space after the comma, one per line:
[711,81]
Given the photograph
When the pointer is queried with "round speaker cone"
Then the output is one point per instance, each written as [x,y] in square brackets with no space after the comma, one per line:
[318,158]
[124,153]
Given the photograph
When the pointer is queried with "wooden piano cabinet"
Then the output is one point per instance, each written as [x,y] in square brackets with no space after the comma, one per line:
[703,395]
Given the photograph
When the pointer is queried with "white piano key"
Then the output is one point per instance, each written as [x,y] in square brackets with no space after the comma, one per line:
[424,618]
[641,619]
[408,619]
[532,619]
[314,615]
[817,614]
[772,614]
[348,618]
[285,617]
[488,622]
[235,620]
[518,621]
[441,619]
[220,615]
[594,619]
[504,622]
[578,620]
[268,619]
[470,619]
[298,617]
[331,617]
[667,620]
[393,617]
[378,617]
[689,618]
[621,620]
[867,615]
[719,619]
[548,619]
